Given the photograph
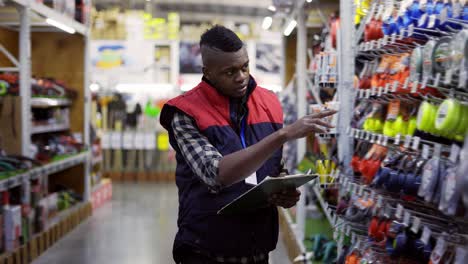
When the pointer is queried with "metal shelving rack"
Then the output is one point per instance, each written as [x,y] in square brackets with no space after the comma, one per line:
[29,17]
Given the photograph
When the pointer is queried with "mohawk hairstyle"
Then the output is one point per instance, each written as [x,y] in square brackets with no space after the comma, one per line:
[222,38]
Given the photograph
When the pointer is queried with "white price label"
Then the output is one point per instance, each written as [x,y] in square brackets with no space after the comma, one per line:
[373,91]
[139,140]
[406,83]
[393,38]
[432,20]
[368,135]
[150,140]
[414,87]
[397,139]
[454,153]
[416,141]
[368,92]
[407,141]
[385,141]
[105,141]
[379,140]
[402,34]
[116,140]
[385,40]
[424,82]
[437,79]
[387,88]
[361,93]
[410,30]
[448,76]
[416,225]
[128,140]
[395,86]
[379,201]
[406,218]
[443,15]
[425,152]
[426,235]
[399,211]
[379,91]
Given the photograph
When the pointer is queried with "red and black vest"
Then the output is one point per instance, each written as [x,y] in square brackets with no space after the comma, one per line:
[200,227]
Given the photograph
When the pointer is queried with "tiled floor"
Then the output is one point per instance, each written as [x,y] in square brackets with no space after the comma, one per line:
[137,227]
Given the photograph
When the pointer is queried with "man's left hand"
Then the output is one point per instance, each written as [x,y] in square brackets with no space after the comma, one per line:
[285,199]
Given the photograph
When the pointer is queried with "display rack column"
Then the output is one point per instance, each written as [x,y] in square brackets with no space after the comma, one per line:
[87,115]
[25,78]
[346,48]
[301,73]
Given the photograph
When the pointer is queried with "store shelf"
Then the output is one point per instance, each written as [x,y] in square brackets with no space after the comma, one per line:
[40,102]
[43,170]
[61,216]
[43,12]
[49,128]
[323,204]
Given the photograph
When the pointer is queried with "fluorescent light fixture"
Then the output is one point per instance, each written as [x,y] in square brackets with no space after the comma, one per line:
[272,8]
[292,24]
[267,21]
[309,1]
[94,87]
[60,26]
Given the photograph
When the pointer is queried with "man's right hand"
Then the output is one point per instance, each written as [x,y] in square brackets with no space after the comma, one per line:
[308,124]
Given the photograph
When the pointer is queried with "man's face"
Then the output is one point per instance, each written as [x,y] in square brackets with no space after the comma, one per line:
[227,71]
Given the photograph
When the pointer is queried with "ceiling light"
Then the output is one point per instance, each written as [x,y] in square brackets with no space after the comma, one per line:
[94,87]
[309,1]
[267,21]
[292,24]
[272,8]
[60,26]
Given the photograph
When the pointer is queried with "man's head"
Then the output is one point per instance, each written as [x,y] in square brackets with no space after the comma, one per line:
[225,61]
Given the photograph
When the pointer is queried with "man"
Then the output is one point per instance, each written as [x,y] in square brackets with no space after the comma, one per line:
[227,133]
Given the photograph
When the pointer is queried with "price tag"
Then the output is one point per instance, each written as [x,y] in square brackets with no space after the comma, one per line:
[367,46]
[368,92]
[437,79]
[385,40]
[140,140]
[414,87]
[425,152]
[402,34]
[379,91]
[379,43]
[410,30]
[424,82]
[150,140]
[416,225]
[454,153]
[437,150]
[116,140]
[395,86]
[363,134]
[406,218]
[426,235]
[361,190]
[406,83]
[416,141]
[367,136]
[379,201]
[361,93]
[422,20]
[407,141]
[387,88]
[399,211]
[443,15]
[128,140]
[373,138]
[448,76]
[385,141]
[393,38]
[397,139]
[371,45]
[373,91]
[432,20]
[379,139]
[105,141]
[388,211]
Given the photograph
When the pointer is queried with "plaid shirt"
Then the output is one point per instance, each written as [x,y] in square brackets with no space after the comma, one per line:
[203,158]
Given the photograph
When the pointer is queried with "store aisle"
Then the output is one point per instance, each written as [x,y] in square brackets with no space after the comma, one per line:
[138,226]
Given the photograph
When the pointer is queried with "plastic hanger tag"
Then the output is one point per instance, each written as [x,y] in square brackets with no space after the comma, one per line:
[426,235]
[395,86]
[385,40]
[393,38]
[462,78]
[437,79]
[406,218]
[373,91]
[448,76]
[379,201]
[399,211]
[368,92]
[406,83]
[387,87]
[425,152]
[385,141]
[407,141]
[454,153]
[437,150]
[424,82]
[410,30]
[416,224]
[443,15]
[397,139]
[414,87]
[416,141]
[379,140]
[432,20]
[361,93]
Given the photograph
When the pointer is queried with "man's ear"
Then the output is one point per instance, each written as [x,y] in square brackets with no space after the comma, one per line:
[206,73]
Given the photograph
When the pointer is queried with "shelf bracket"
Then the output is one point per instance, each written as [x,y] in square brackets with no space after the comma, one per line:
[9,56]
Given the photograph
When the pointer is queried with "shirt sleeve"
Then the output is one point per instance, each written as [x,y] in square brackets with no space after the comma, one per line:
[202,157]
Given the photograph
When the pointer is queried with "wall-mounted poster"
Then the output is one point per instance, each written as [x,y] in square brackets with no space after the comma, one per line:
[190,61]
[109,56]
